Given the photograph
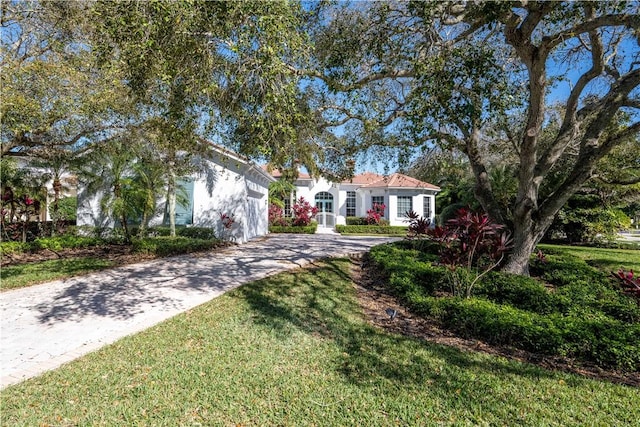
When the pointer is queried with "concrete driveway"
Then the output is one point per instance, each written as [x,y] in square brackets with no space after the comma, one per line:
[46,325]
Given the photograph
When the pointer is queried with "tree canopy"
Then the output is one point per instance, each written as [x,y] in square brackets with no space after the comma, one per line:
[480,77]
[551,88]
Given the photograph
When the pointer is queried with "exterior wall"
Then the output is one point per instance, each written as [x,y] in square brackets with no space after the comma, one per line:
[309,190]
[89,213]
[364,199]
[226,186]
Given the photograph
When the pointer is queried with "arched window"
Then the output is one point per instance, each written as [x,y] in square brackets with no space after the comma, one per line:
[324,202]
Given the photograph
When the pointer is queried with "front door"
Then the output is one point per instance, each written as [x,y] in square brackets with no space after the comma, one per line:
[324,203]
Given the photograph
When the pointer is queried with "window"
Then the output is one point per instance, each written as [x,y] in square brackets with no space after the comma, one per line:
[405,204]
[324,202]
[351,203]
[184,210]
[426,207]
[288,203]
[377,200]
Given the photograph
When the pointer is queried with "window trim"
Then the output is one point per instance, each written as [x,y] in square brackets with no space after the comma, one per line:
[403,213]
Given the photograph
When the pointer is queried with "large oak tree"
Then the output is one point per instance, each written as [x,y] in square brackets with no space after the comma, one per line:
[480,77]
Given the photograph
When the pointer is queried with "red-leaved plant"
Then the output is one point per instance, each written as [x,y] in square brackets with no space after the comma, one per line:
[375,214]
[471,246]
[630,283]
[418,225]
[303,212]
[276,215]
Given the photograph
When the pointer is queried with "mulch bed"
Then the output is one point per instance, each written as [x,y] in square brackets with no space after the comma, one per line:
[119,254]
[374,298]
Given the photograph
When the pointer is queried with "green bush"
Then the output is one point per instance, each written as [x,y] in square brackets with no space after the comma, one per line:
[372,229]
[67,241]
[167,246]
[522,292]
[8,248]
[583,317]
[308,229]
[202,233]
[356,220]
[67,209]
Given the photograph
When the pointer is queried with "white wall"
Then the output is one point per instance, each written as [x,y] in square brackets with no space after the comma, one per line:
[227,187]
[364,197]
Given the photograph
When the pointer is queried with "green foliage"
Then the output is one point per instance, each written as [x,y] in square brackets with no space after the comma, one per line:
[201,233]
[52,92]
[65,242]
[58,243]
[356,220]
[168,246]
[67,207]
[300,229]
[579,314]
[586,219]
[372,229]
[8,248]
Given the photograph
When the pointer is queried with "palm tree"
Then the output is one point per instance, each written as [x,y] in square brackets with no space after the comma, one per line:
[279,191]
[149,180]
[109,170]
[54,164]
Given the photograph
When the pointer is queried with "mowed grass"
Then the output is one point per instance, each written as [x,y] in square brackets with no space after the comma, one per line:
[17,276]
[603,259]
[294,350]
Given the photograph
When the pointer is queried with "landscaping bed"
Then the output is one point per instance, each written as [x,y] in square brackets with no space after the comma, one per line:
[25,264]
[571,310]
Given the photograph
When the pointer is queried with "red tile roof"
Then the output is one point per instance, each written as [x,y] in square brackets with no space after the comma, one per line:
[363,178]
[398,180]
[373,180]
[277,174]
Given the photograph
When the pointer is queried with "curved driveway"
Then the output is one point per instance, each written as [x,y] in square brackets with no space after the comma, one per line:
[46,325]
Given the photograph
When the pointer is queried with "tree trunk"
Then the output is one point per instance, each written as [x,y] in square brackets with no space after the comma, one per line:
[171,196]
[57,189]
[524,242]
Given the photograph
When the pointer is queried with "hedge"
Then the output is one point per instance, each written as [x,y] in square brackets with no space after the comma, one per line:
[166,246]
[372,229]
[584,317]
[309,229]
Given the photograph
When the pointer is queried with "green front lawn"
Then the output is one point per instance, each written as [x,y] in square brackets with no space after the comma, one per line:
[294,350]
[603,259]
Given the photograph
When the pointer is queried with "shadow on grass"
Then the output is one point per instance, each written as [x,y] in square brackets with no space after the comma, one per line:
[322,302]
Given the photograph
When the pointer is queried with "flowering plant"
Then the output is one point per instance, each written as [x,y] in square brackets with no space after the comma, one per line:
[375,214]
[303,212]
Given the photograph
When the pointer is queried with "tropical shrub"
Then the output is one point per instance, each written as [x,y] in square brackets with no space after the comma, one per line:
[469,243]
[372,229]
[588,320]
[356,220]
[67,241]
[308,229]
[418,225]
[202,233]
[276,215]
[375,214]
[629,282]
[13,247]
[303,212]
[166,246]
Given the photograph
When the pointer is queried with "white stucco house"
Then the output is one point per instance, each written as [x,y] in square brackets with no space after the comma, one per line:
[228,184]
[353,198]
